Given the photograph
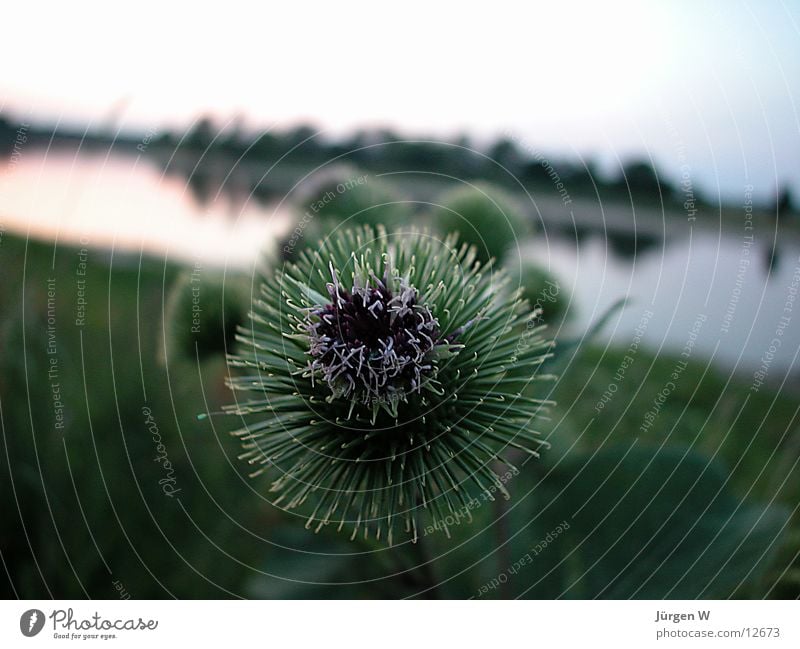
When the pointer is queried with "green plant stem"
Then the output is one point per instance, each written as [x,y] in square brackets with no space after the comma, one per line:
[425,574]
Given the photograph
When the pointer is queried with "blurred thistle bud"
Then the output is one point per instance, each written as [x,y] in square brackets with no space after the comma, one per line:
[486,217]
[202,312]
[342,197]
[544,291]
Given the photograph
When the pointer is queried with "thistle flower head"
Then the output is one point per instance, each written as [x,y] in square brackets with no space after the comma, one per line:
[374,343]
[390,375]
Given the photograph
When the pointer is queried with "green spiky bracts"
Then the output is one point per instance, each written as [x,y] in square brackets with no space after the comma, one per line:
[390,374]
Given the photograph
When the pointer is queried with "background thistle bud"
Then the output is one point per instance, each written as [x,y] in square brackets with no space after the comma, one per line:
[389,375]
[485,216]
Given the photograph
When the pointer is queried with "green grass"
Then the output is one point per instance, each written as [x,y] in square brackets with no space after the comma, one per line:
[91,509]
[82,507]
[754,433]
[754,436]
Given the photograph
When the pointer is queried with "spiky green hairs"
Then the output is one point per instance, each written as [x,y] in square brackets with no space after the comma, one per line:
[390,373]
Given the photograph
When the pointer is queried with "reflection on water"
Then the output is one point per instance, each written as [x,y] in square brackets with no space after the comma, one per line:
[125,202]
[740,291]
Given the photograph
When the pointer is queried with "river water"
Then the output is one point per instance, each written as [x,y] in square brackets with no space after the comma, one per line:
[708,294]
[128,203]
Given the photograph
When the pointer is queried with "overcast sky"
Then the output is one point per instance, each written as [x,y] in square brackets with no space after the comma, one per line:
[715,85]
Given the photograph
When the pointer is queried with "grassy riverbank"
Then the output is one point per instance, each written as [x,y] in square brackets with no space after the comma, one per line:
[108,480]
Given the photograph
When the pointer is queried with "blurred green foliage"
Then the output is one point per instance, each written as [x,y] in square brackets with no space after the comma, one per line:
[203,309]
[543,291]
[84,506]
[342,197]
[485,216]
[695,506]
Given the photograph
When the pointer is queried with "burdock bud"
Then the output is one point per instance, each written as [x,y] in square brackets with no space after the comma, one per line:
[390,376]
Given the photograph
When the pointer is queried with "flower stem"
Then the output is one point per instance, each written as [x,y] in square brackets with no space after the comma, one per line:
[425,574]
